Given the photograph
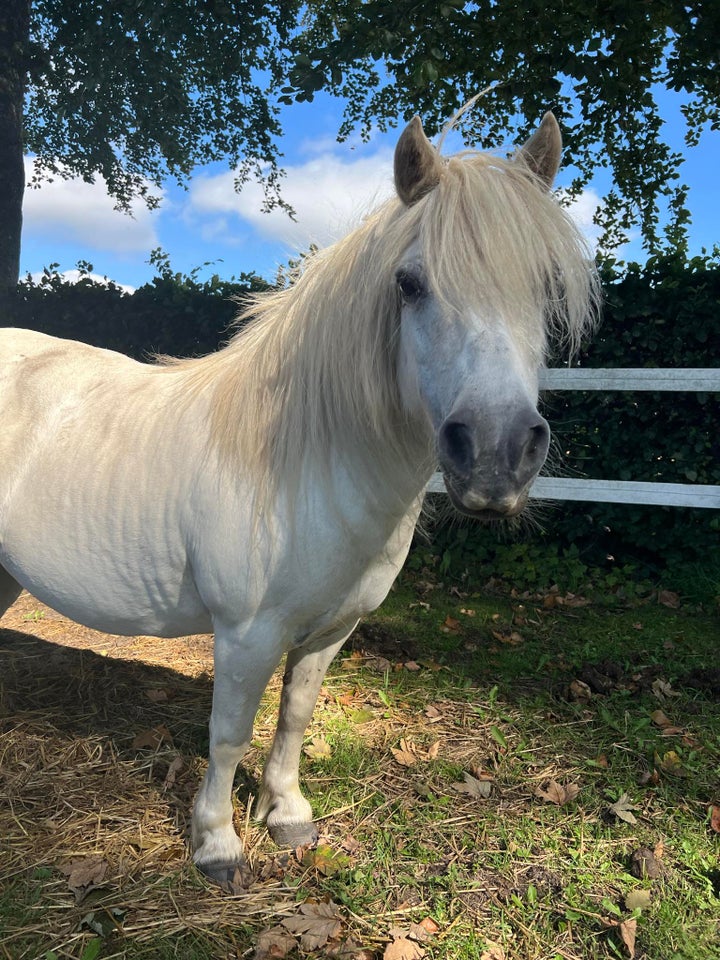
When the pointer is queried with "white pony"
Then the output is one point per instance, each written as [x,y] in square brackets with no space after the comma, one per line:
[269,491]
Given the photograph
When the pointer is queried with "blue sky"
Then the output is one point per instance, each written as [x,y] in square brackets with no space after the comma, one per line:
[330,185]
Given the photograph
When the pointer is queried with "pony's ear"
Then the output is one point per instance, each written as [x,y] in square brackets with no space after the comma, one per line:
[542,151]
[417,164]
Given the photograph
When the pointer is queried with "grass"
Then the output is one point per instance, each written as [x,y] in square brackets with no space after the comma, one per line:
[616,697]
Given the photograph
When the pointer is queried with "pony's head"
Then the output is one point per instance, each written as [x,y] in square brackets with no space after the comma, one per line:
[493,267]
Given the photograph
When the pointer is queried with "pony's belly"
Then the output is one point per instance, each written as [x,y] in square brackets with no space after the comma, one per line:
[129,615]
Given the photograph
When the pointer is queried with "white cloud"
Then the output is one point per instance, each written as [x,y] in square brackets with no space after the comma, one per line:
[84,213]
[72,276]
[582,209]
[329,195]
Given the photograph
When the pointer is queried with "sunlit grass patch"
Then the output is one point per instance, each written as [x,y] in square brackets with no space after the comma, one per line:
[489,765]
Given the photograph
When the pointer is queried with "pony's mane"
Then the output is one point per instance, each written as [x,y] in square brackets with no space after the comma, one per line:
[314,366]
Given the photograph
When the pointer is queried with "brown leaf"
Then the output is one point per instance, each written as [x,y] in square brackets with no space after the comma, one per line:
[406,754]
[157,696]
[315,924]
[84,875]
[660,719]
[668,599]
[403,949]
[429,926]
[432,713]
[511,637]
[554,792]
[467,612]
[579,691]
[628,929]
[480,789]
[274,942]
[451,625]
[412,666]
[173,770]
[433,750]
[715,818]
[152,739]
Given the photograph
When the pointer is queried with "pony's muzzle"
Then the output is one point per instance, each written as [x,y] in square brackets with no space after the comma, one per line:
[488,470]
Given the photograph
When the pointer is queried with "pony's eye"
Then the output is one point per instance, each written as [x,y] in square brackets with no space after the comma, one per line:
[410,286]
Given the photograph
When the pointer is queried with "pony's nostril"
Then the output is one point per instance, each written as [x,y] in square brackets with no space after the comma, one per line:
[457,446]
[538,441]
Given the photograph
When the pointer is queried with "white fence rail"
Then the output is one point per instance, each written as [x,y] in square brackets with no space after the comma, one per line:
[624,491]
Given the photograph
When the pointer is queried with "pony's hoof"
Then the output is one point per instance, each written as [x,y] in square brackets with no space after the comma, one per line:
[231,876]
[294,834]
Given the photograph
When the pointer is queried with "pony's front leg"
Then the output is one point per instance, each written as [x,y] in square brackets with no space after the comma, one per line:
[244,662]
[287,813]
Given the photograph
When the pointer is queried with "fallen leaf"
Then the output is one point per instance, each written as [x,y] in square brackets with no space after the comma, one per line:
[173,770]
[480,789]
[429,926]
[715,818]
[406,754]
[240,881]
[663,690]
[511,637]
[622,808]
[103,922]
[554,792]
[315,924]
[671,764]
[84,875]
[579,691]
[451,625]
[493,951]
[361,715]
[432,713]
[349,949]
[157,696]
[660,719]
[275,942]
[628,929]
[403,949]
[318,749]
[638,899]
[668,599]
[152,739]
[325,860]
[412,666]
[433,750]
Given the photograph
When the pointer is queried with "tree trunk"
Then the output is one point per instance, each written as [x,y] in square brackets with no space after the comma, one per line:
[14,36]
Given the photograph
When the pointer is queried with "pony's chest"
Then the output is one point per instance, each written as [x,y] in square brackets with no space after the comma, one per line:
[345,588]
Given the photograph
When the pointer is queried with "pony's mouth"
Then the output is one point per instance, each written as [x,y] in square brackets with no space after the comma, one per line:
[478,506]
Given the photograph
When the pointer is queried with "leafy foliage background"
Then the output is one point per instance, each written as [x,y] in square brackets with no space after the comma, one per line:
[662,314]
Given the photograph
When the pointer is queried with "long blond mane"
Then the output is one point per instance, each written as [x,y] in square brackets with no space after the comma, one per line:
[313,370]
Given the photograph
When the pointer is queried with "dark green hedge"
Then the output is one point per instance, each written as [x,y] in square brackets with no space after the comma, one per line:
[175,314]
[664,314]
